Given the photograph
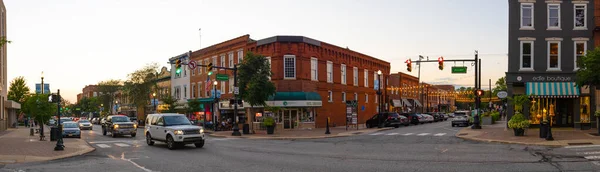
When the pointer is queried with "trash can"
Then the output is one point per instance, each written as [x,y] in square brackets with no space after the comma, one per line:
[54,132]
[246,129]
[543,129]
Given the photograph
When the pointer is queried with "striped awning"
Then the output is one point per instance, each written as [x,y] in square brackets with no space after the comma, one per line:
[406,102]
[552,89]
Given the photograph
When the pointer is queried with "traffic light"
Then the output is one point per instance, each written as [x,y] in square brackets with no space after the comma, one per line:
[209,69]
[409,65]
[178,66]
[441,63]
[479,93]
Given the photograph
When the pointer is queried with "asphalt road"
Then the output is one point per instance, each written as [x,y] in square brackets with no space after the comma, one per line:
[428,147]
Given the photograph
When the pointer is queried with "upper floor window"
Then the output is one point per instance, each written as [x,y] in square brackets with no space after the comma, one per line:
[553,55]
[366,78]
[580,16]
[553,16]
[343,97]
[343,72]
[366,98]
[355,76]
[356,97]
[289,67]
[526,55]
[329,96]
[230,59]
[222,61]
[214,59]
[314,75]
[527,15]
[580,47]
[240,56]
[329,72]
[269,61]
[199,67]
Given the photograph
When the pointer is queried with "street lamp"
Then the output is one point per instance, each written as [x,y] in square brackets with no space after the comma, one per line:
[153,101]
[379,96]
[214,105]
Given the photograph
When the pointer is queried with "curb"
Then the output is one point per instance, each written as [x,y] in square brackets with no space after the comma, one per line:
[78,153]
[294,138]
[503,141]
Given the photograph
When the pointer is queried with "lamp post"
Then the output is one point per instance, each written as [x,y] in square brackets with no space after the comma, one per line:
[116,107]
[59,143]
[214,104]
[154,101]
[379,103]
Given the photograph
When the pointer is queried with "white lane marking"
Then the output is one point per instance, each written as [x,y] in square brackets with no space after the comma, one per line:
[374,134]
[596,163]
[114,141]
[391,134]
[122,144]
[408,134]
[103,145]
[423,134]
[592,157]
[582,146]
[137,165]
[588,153]
[220,139]
[449,129]
[439,134]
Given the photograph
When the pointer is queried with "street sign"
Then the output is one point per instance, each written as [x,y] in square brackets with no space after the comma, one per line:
[502,94]
[222,77]
[459,69]
[192,65]
[236,90]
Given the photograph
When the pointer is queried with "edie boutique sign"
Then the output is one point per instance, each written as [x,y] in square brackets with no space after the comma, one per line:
[540,78]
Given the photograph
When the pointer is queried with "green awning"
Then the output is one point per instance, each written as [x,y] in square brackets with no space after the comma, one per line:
[204,100]
[552,89]
[295,96]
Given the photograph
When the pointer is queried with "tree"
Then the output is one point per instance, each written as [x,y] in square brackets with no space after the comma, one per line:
[38,106]
[88,105]
[500,85]
[138,87]
[170,102]
[18,90]
[4,41]
[588,74]
[109,88]
[253,78]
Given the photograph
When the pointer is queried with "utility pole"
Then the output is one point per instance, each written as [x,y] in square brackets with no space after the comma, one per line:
[419,84]
[477,87]
[236,129]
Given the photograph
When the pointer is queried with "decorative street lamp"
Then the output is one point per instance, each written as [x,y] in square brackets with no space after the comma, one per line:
[154,101]
[214,105]
[379,102]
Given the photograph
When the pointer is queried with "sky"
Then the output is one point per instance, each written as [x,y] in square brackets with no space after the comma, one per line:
[78,43]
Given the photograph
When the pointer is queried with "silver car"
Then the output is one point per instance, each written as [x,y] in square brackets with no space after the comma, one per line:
[84,124]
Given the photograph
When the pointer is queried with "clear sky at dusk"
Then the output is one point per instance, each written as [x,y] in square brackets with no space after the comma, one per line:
[77,43]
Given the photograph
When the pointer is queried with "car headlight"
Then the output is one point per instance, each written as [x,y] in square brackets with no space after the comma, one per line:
[201,130]
[116,126]
[81,125]
[178,132]
[134,126]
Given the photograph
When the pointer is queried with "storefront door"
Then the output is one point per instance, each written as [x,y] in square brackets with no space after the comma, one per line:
[290,118]
[564,116]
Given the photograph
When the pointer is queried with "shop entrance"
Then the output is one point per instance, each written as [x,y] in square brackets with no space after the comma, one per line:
[564,114]
[289,118]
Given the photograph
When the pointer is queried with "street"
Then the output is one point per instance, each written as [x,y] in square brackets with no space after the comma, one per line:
[427,147]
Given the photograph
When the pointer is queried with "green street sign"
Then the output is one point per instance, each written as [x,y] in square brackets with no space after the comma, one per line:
[222,77]
[459,69]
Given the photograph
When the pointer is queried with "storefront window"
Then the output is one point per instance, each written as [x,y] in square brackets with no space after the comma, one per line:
[258,117]
[307,115]
[584,109]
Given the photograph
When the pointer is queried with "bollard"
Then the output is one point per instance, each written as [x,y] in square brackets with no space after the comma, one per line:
[31,131]
[327,130]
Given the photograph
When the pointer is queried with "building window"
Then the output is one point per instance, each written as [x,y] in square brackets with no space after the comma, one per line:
[184,91]
[526,55]
[355,75]
[366,98]
[269,61]
[199,67]
[240,56]
[329,96]
[206,62]
[231,85]
[222,61]
[580,16]
[553,16]
[527,15]
[580,47]
[343,97]
[223,87]
[289,67]
[366,78]
[184,69]
[376,98]
[230,59]
[214,62]
[329,72]
[193,90]
[343,73]
[193,72]
[553,55]
[314,69]
[356,97]
[200,89]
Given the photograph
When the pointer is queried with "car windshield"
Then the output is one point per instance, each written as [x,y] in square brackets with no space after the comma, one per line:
[65,120]
[120,119]
[84,121]
[176,120]
[69,125]
[394,115]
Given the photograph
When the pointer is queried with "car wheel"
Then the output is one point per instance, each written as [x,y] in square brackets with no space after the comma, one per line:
[113,134]
[396,126]
[452,125]
[79,137]
[149,140]
[103,131]
[170,142]
[133,135]
[406,124]
[368,126]
[422,123]
[199,145]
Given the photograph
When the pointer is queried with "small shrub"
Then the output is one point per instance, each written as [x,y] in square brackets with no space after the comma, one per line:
[269,121]
[518,121]
[495,116]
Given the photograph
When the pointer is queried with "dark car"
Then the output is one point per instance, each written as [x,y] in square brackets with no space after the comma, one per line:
[436,116]
[460,121]
[388,119]
[119,125]
[413,118]
[71,129]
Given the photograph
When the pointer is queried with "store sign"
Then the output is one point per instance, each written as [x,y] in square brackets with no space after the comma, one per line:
[502,94]
[539,77]
[295,103]
[551,78]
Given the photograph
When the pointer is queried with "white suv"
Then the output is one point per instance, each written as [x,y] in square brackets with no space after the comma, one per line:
[173,129]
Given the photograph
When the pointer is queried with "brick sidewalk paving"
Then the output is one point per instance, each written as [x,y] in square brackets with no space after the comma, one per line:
[497,133]
[18,146]
[301,134]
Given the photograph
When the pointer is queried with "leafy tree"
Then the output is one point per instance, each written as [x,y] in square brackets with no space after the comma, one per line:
[500,85]
[193,105]
[109,88]
[18,90]
[38,106]
[4,41]
[87,105]
[138,87]
[170,102]
[589,65]
[253,78]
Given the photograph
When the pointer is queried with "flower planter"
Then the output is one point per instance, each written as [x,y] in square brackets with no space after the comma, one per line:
[519,131]
[487,120]
[270,129]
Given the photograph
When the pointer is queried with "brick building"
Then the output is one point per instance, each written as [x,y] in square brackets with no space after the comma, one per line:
[90,91]
[403,91]
[313,79]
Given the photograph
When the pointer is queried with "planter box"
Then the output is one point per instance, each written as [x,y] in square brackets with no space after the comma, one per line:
[486,120]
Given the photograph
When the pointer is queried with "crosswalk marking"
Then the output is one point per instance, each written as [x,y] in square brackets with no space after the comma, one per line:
[103,145]
[423,134]
[582,146]
[592,157]
[391,134]
[439,134]
[596,163]
[589,153]
[408,134]
[374,134]
[122,144]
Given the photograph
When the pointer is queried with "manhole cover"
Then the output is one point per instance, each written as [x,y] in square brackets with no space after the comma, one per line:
[462,134]
[585,143]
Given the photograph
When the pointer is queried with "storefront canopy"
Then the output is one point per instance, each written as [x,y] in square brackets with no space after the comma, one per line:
[552,89]
[396,103]
[295,99]
[406,102]
[417,103]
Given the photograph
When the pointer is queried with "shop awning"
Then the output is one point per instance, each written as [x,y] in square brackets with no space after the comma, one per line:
[204,100]
[397,103]
[417,103]
[552,89]
[406,102]
[295,99]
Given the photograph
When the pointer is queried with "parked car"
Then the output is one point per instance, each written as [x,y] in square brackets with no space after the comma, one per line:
[70,129]
[102,121]
[446,116]
[51,122]
[428,118]
[388,119]
[94,120]
[460,121]
[63,120]
[85,124]
[436,117]
[413,118]
[119,125]
[173,129]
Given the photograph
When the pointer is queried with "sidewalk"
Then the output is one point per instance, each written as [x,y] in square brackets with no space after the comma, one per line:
[300,134]
[497,133]
[19,147]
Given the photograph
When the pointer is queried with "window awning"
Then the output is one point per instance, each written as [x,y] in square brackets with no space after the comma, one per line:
[397,103]
[406,102]
[552,89]
[295,96]
[417,103]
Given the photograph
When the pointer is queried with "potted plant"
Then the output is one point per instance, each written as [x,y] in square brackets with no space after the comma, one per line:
[486,118]
[518,122]
[269,123]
